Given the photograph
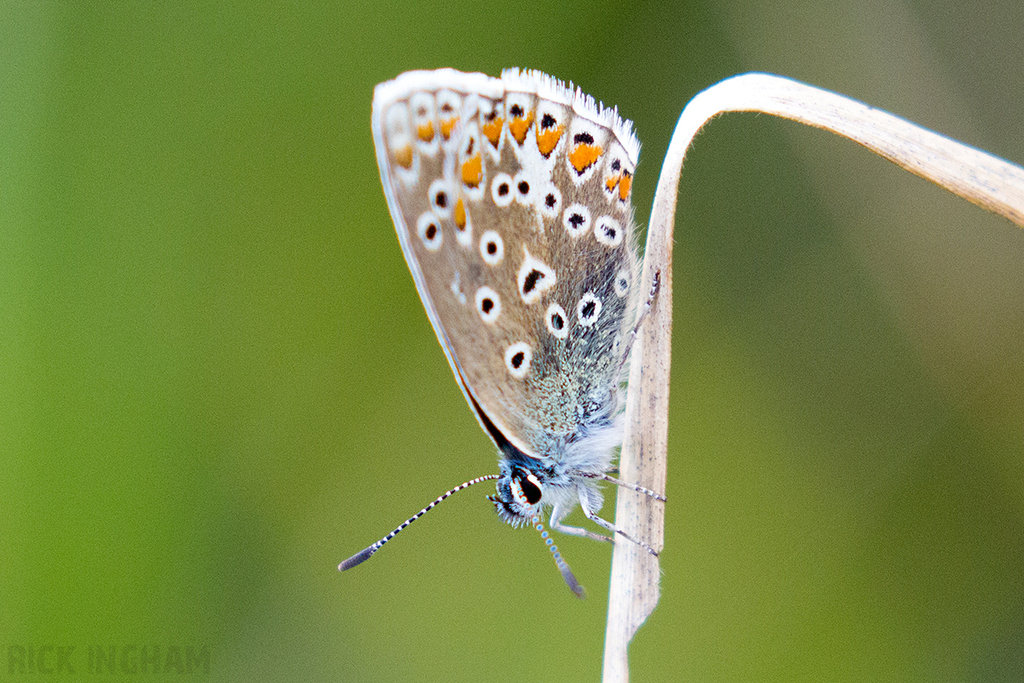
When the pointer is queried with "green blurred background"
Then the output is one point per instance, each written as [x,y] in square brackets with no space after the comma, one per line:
[217,380]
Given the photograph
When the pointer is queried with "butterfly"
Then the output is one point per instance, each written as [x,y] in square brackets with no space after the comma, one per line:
[511,200]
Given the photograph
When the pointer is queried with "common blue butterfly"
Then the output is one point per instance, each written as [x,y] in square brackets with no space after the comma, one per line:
[511,200]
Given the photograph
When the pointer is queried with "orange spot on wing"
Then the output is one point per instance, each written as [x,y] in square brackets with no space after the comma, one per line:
[612,181]
[492,130]
[519,127]
[425,131]
[472,171]
[624,186]
[403,156]
[585,156]
[460,215]
[548,139]
[447,125]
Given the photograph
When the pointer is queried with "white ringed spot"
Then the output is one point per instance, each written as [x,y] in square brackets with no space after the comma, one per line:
[576,219]
[522,187]
[517,359]
[441,199]
[492,248]
[588,310]
[535,277]
[622,283]
[558,324]
[501,189]
[550,201]
[428,227]
[608,231]
[488,304]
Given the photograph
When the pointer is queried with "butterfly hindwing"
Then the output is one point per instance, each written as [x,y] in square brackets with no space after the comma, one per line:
[511,198]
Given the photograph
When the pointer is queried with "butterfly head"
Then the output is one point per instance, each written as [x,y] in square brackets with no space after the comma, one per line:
[519,495]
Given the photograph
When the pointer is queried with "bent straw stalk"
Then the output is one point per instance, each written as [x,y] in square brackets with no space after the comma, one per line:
[983,179]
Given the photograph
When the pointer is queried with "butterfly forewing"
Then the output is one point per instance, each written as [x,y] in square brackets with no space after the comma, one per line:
[511,197]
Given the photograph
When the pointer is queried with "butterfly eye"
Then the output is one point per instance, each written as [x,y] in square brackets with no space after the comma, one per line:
[530,485]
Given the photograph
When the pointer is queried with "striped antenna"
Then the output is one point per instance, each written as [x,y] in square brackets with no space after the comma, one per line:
[364,555]
[563,566]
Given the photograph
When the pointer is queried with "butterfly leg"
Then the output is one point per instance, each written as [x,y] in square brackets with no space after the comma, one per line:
[592,516]
[655,285]
[635,487]
[618,482]
[556,523]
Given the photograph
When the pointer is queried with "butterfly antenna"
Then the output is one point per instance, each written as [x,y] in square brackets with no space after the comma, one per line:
[563,566]
[364,555]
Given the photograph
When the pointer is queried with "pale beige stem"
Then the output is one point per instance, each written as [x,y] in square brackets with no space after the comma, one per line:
[979,177]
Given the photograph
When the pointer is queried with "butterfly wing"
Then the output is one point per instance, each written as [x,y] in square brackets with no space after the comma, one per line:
[510,198]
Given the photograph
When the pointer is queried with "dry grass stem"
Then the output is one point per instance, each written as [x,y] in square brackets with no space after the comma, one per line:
[979,177]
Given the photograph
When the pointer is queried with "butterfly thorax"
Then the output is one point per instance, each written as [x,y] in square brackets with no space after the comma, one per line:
[559,478]
[542,487]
